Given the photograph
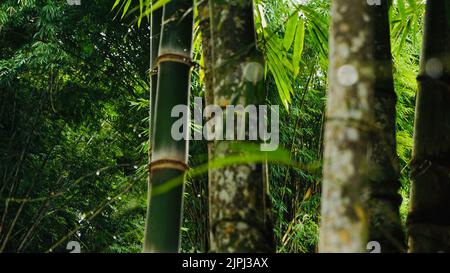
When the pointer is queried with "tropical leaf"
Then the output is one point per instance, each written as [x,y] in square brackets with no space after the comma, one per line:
[290,32]
[298,46]
[125,9]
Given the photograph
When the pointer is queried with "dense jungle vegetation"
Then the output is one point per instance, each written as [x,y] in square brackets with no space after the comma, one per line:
[75,104]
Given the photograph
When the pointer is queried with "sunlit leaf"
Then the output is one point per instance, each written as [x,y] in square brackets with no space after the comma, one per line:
[298,46]
[290,32]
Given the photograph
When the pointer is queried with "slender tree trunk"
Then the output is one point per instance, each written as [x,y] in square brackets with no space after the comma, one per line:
[169,156]
[205,28]
[429,216]
[348,129]
[238,198]
[155,34]
[384,225]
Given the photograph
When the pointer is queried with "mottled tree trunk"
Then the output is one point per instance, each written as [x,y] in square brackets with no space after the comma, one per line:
[238,198]
[429,217]
[384,199]
[348,129]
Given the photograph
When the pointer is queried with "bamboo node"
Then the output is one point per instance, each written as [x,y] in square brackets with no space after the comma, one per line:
[175,58]
[168,164]
[425,78]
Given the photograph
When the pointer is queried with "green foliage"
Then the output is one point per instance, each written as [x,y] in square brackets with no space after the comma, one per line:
[71,164]
[74,121]
[283,48]
[406,23]
[406,37]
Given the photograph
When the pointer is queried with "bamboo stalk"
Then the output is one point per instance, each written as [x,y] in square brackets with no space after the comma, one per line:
[169,156]
[429,216]
[384,201]
[205,28]
[155,34]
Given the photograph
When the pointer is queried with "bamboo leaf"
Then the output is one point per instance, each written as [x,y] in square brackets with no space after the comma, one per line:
[125,9]
[402,9]
[298,46]
[412,4]
[115,4]
[141,8]
[290,32]
[251,153]
[158,4]
[287,63]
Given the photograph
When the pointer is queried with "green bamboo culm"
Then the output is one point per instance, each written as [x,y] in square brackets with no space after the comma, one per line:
[384,184]
[169,155]
[155,34]
[429,214]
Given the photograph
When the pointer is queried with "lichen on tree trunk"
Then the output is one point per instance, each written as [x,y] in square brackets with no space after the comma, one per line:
[239,219]
[348,129]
